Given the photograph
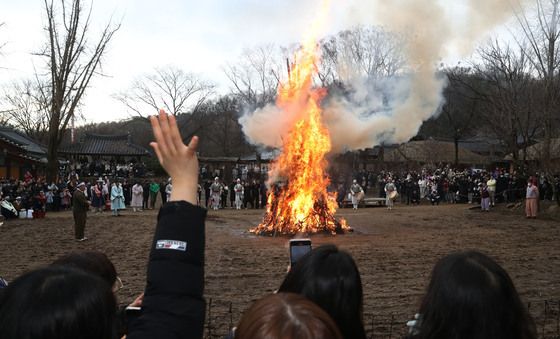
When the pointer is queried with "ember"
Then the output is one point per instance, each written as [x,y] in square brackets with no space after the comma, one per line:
[303,205]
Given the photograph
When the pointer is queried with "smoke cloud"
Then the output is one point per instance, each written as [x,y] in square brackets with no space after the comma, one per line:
[391,109]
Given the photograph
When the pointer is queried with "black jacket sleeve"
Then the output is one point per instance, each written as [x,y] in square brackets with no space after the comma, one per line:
[173,305]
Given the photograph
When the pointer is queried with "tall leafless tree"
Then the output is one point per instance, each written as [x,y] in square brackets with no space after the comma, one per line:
[256,75]
[509,94]
[72,61]
[171,88]
[542,32]
[365,51]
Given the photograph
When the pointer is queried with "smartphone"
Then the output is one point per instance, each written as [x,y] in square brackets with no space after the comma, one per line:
[132,311]
[298,248]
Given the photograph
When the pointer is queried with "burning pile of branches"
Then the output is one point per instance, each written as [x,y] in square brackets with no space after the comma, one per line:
[319,220]
[303,205]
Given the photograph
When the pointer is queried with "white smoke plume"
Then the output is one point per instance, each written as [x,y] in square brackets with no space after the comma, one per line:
[391,109]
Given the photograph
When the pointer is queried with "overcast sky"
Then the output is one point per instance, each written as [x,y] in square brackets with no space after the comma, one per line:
[197,36]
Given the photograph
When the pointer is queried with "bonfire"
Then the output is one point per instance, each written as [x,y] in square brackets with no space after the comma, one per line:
[302,204]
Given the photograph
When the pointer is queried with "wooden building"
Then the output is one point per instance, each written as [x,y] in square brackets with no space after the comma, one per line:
[19,154]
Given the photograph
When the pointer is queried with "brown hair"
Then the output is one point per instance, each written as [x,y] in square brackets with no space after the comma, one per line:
[286,315]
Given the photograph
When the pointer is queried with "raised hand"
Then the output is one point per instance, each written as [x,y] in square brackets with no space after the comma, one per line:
[178,160]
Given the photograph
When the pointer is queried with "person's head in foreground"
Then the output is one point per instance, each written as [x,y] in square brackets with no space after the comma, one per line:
[470,296]
[94,262]
[330,278]
[57,302]
[286,316]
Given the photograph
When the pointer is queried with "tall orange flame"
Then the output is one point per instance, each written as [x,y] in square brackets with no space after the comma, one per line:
[303,205]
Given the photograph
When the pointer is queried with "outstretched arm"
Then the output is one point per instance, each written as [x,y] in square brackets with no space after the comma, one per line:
[178,160]
[173,306]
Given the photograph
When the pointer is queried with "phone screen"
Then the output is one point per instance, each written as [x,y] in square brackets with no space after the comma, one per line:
[298,248]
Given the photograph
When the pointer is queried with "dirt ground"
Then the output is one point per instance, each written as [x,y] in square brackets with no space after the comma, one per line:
[395,252]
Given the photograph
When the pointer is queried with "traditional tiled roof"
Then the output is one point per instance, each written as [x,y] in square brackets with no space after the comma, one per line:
[432,151]
[218,159]
[266,156]
[536,151]
[110,145]
[30,149]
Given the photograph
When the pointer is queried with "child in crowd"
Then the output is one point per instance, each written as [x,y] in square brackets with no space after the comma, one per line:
[65,197]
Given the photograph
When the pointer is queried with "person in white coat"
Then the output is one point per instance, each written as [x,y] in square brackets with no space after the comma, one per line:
[356,192]
[423,187]
[239,191]
[137,197]
[168,189]
[389,189]
[216,192]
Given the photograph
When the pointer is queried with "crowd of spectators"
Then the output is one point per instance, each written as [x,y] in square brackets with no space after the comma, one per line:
[34,196]
[452,185]
[254,193]
[469,295]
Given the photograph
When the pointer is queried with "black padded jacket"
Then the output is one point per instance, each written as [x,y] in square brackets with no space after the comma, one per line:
[173,305]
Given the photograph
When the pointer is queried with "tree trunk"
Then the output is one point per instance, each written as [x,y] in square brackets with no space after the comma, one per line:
[52,149]
[52,164]
[456,142]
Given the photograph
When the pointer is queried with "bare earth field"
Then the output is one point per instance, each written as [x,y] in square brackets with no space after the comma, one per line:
[395,252]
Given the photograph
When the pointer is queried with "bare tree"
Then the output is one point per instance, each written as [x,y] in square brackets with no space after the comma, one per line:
[543,52]
[509,95]
[460,111]
[171,88]
[72,61]
[224,131]
[2,44]
[367,52]
[27,107]
[256,75]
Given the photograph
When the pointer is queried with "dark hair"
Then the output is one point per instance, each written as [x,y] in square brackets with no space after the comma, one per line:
[330,278]
[471,296]
[93,262]
[3,283]
[286,315]
[57,302]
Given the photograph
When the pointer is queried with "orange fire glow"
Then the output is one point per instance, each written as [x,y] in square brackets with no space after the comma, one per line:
[303,205]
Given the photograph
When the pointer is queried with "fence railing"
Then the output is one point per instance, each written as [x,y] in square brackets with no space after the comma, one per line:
[223,315]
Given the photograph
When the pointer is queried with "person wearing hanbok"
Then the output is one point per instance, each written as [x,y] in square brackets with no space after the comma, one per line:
[239,191]
[484,197]
[356,193]
[107,193]
[422,184]
[389,189]
[117,199]
[168,189]
[50,200]
[216,191]
[531,199]
[97,197]
[66,197]
[137,197]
